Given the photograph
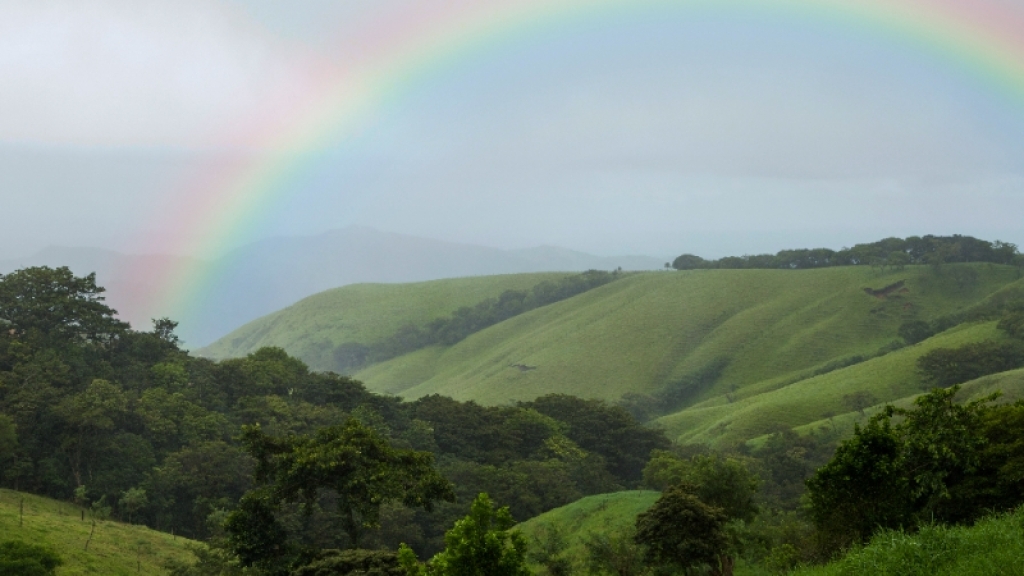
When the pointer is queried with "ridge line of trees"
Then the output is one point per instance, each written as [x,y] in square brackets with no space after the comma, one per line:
[892,252]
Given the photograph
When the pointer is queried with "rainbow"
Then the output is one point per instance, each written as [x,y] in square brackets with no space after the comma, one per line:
[981,41]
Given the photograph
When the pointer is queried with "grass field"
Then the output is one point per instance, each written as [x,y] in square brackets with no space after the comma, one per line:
[311,328]
[115,549]
[773,329]
[602,513]
[993,546]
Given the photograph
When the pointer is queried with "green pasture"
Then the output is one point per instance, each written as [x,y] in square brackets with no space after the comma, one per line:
[591,515]
[993,546]
[779,332]
[311,328]
[115,548]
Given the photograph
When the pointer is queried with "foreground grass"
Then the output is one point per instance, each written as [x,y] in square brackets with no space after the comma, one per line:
[993,546]
[115,549]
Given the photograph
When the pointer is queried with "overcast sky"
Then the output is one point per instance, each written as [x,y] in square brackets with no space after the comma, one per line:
[711,135]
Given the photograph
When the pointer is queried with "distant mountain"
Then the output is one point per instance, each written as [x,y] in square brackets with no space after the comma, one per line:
[268,275]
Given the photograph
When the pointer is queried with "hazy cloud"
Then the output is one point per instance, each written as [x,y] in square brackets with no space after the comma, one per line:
[123,73]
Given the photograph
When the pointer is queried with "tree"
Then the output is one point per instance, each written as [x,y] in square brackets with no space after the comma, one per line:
[132,500]
[681,531]
[721,481]
[358,467]
[915,331]
[1013,323]
[688,262]
[862,488]
[859,400]
[353,563]
[898,259]
[89,414]
[58,305]
[943,367]
[24,559]
[8,438]
[892,476]
[480,543]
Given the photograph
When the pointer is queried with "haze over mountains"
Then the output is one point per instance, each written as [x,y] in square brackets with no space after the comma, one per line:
[265,276]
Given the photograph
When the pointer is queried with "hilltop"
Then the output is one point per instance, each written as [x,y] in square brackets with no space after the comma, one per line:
[742,352]
[311,328]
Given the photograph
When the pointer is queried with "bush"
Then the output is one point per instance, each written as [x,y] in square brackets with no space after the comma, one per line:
[944,367]
[23,559]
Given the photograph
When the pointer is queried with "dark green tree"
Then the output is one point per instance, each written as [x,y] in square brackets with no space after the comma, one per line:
[898,475]
[862,488]
[681,531]
[359,468]
[57,305]
[689,262]
[721,481]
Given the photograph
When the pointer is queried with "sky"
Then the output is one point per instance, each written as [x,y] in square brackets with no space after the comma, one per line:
[713,134]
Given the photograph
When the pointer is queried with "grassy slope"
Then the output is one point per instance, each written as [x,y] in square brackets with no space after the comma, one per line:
[365,313]
[889,378]
[992,546]
[644,331]
[1009,384]
[640,333]
[115,548]
[593,514]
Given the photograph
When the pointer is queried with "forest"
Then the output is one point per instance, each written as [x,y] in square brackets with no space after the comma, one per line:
[890,252]
[283,470]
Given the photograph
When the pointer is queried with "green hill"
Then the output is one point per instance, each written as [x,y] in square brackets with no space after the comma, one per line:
[311,328]
[115,548]
[751,350]
[590,515]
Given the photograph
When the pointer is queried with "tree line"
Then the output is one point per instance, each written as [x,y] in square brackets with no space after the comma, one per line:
[889,252]
[349,357]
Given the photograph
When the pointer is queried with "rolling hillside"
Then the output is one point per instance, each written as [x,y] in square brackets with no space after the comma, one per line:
[115,549]
[600,514]
[312,327]
[777,341]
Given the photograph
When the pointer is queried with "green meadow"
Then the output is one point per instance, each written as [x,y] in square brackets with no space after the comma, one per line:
[993,546]
[311,328]
[598,514]
[115,548]
[793,343]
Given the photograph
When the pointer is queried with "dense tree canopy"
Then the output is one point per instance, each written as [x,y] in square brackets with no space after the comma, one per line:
[940,461]
[682,531]
[893,252]
[93,411]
